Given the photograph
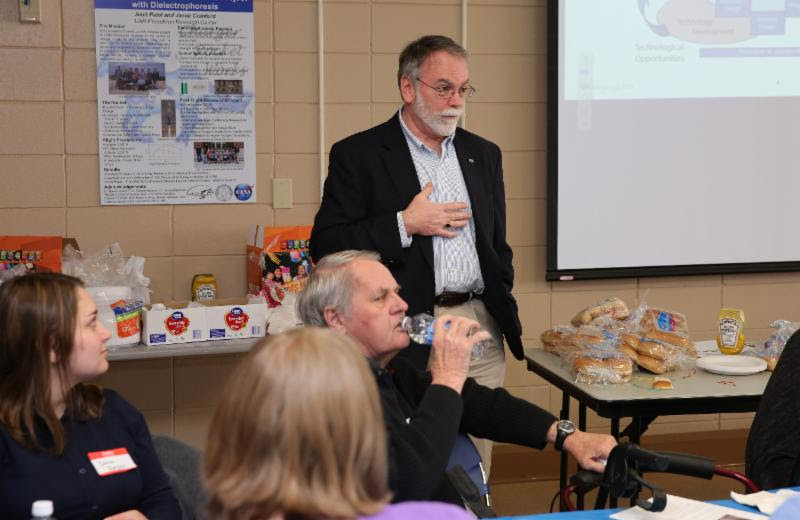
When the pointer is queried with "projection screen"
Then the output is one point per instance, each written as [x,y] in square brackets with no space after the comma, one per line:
[673,130]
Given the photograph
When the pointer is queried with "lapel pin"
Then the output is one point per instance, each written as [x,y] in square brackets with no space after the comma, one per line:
[471,160]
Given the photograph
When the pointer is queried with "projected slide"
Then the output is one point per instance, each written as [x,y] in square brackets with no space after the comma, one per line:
[677,49]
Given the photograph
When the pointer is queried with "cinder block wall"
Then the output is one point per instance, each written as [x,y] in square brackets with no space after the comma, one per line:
[49,172]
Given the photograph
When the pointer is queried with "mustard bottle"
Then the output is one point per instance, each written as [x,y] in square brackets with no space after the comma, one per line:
[730,339]
[204,287]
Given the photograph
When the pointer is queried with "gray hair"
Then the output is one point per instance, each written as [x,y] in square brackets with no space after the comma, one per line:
[416,52]
[331,285]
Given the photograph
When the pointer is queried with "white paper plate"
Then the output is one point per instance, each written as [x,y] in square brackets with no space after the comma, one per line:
[732,365]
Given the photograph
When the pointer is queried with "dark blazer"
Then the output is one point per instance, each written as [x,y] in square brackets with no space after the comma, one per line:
[371,177]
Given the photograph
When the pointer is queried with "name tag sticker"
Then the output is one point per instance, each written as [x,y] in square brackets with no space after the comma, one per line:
[111,462]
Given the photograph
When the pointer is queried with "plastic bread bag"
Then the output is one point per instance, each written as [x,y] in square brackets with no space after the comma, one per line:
[659,357]
[633,323]
[560,337]
[773,346]
[611,306]
[564,339]
[667,326]
[628,339]
[600,364]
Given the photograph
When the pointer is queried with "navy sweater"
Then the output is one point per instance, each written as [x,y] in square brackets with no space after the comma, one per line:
[423,421]
[70,480]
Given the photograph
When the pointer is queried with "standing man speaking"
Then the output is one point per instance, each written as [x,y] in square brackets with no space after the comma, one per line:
[429,197]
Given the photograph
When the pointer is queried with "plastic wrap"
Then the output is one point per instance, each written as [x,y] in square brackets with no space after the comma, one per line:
[17,270]
[612,306]
[119,313]
[118,287]
[284,317]
[773,347]
[563,339]
[602,363]
[659,357]
[667,326]
[627,334]
[108,267]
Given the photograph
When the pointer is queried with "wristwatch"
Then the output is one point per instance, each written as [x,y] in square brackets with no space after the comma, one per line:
[564,429]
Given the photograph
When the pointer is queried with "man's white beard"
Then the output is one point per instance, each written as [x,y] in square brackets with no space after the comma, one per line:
[440,125]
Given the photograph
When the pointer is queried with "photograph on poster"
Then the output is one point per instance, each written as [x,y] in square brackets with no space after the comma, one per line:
[219,153]
[131,78]
[168,118]
[228,86]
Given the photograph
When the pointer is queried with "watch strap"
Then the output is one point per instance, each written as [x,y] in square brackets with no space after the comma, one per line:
[562,434]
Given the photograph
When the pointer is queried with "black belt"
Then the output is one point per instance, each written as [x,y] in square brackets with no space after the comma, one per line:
[452,299]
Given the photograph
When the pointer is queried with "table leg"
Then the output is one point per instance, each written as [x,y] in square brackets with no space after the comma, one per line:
[634,437]
[582,427]
[582,417]
[612,500]
[637,428]
[562,475]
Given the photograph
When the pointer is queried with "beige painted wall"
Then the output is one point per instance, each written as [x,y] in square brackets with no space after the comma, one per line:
[49,172]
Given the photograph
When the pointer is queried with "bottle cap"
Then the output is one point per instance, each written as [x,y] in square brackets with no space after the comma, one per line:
[42,508]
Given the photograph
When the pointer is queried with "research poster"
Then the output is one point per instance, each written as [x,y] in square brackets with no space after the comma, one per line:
[176,101]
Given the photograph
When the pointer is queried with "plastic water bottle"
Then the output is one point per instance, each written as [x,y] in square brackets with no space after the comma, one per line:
[420,330]
[42,510]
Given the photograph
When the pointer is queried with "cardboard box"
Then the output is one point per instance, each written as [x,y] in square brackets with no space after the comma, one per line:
[235,318]
[177,324]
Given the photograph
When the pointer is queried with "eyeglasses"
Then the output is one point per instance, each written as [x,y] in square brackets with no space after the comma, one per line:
[447,91]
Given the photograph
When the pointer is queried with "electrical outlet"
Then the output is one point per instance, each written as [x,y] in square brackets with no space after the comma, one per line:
[30,11]
[282,193]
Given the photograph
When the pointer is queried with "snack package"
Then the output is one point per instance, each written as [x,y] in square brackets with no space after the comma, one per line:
[612,306]
[32,252]
[278,261]
[119,313]
[602,363]
[773,347]
[118,287]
